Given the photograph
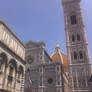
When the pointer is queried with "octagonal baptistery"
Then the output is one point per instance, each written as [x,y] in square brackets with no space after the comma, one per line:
[12,64]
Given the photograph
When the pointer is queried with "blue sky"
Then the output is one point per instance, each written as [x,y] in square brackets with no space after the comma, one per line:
[42,20]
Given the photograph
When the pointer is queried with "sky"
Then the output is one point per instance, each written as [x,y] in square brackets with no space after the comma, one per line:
[42,20]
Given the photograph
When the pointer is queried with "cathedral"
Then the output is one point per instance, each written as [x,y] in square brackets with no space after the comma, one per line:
[45,73]
[58,72]
[29,68]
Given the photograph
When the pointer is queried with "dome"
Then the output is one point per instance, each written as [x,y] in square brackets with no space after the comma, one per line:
[58,56]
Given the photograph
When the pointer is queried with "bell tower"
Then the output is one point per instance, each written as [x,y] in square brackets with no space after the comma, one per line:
[77,47]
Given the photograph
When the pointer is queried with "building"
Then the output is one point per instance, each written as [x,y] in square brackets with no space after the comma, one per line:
[12,64]
[77,47]
[58,56]
[45,73]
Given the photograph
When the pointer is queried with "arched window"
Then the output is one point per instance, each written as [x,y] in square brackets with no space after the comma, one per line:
[12,66]
[73,38]
[10,76]
[3,62]
[20,76]
[81,55]
[75,56]
[11,71]
[73,19]
[0,65]
[78,37]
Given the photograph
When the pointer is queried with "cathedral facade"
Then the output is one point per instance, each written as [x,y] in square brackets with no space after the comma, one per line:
[45,73]
[12,64]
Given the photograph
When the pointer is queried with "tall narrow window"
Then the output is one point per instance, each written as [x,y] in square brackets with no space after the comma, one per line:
[11,71]
[73,38]
[78,37]
[81,55]
[75,56]
[0,65]
[73,19]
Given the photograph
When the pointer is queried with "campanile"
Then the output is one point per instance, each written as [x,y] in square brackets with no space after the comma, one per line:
[77,47]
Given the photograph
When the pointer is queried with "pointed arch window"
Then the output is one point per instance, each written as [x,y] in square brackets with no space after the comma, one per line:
[73,19]
[73,38]
[78,37]
[81,55]
[75,56]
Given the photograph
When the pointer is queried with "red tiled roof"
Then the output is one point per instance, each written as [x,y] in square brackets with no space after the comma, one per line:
[57,58]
